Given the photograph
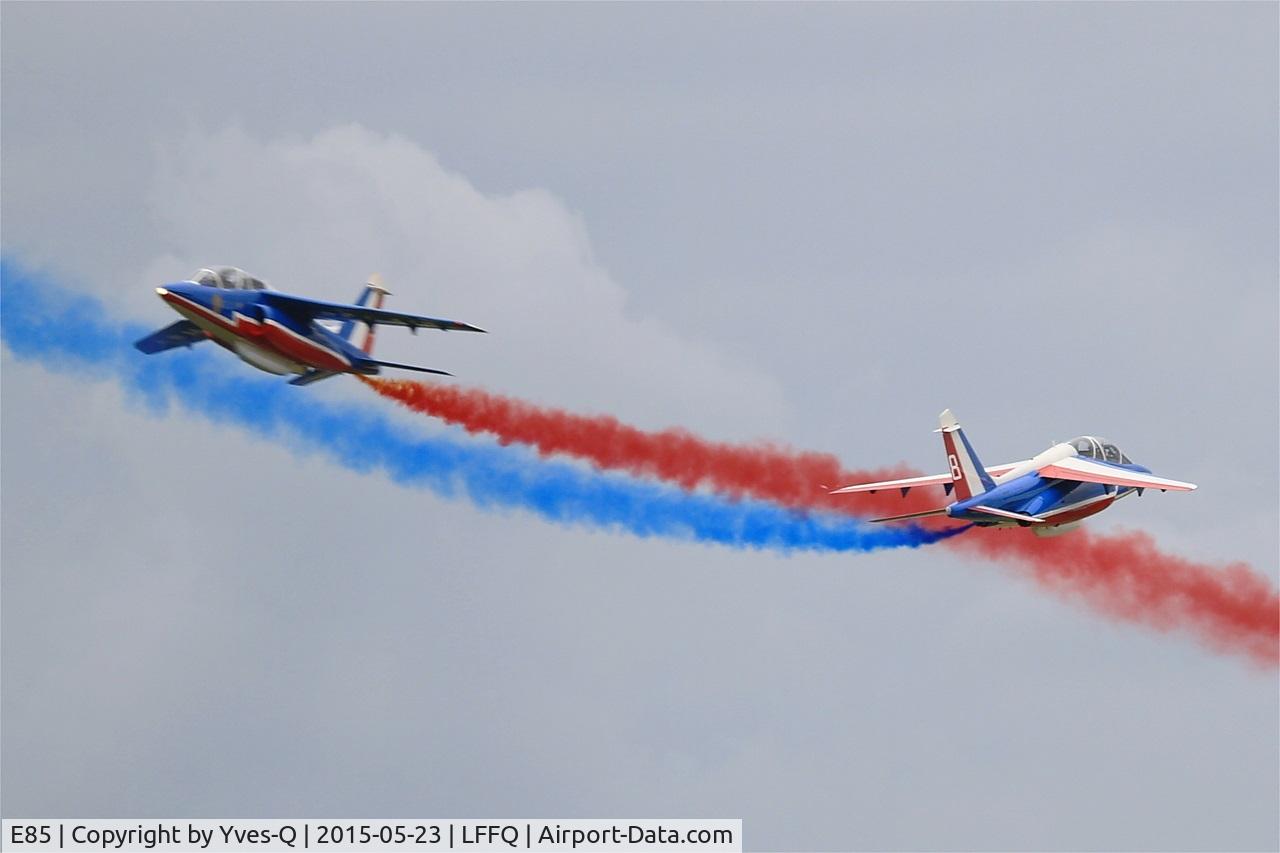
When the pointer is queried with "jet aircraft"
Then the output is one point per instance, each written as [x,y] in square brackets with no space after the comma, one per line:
[1050,493]
[280,333]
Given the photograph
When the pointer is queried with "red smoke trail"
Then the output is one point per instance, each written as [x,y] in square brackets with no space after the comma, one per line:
[787,477]
[1127,577]
[1124,576]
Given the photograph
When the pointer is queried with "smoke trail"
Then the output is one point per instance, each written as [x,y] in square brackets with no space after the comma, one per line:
[1124,576]
[767,471]
[1127,577]
[39,321]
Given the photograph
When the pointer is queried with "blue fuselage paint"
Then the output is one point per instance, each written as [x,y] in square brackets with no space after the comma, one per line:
[1034,495]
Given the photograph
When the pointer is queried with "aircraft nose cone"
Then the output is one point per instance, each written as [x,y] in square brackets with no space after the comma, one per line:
[174,288]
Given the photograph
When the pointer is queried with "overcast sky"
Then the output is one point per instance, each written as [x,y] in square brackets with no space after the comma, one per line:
[814,224]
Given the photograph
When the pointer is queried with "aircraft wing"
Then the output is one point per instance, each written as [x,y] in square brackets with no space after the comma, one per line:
[913,482]
[314,309]
[925,514]
[183,333]
[1088,471]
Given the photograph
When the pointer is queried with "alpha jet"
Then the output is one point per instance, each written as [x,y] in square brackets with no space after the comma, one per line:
[280,333]
[1050,493]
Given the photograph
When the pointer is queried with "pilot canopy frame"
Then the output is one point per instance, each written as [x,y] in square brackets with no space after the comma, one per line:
[228,278]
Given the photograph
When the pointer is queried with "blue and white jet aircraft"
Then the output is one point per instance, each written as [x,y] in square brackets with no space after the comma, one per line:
[1051,493]
[283,334]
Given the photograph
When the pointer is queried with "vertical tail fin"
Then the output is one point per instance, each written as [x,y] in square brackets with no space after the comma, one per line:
[374,290]
[967,473]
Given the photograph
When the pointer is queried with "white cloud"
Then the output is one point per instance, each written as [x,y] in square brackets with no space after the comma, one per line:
[317,215]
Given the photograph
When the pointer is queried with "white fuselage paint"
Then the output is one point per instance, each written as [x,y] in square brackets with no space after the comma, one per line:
[1055,453]
[264,359]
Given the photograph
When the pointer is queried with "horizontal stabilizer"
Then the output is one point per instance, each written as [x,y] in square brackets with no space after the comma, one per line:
[924,514]
[412,367]
[312,376]
[1088,471]
[1004,513]
[183,333]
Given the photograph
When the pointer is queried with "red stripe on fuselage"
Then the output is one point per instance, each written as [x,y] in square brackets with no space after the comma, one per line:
[957,471]
[268,335]
[1077,514]
[303,349]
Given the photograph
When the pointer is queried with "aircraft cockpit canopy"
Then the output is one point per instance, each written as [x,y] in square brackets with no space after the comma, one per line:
[228,278]
[1092,447]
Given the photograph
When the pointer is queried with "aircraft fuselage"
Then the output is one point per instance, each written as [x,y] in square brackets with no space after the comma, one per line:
[260,335]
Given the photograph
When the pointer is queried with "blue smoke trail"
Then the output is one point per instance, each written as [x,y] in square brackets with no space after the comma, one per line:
[65,331]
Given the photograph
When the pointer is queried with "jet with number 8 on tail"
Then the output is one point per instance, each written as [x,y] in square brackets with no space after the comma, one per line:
[1050,493]
[280,333]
